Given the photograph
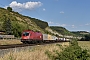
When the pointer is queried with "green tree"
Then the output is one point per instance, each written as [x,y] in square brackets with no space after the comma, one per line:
[41,24]
[9,9]
[7,26]
[87,37]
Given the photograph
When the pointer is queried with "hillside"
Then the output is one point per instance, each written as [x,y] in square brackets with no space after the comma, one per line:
[20,22]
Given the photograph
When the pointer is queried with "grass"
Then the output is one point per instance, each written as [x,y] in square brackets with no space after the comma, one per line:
[8,42]
[36,53]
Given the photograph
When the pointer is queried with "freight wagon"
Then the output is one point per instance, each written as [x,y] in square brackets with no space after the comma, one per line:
[47,38]
[29,36]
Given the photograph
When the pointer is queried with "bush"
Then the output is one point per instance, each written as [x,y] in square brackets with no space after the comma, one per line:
[9,9]
[73,52]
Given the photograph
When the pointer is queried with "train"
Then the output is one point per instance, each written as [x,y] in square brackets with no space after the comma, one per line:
[29,36]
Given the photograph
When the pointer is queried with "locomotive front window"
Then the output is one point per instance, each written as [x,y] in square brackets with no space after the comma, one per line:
[25,33]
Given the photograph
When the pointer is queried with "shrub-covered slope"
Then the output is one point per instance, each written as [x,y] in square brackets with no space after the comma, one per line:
[20,22]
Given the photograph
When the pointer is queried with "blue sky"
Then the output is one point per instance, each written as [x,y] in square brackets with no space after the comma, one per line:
[74,15]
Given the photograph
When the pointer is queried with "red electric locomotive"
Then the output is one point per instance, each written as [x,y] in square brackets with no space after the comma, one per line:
[31,36]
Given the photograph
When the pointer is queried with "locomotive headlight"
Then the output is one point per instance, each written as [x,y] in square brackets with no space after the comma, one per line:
[29,36]
[40,37]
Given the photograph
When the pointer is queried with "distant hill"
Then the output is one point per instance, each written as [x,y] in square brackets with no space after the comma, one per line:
[61,30]
[80,33]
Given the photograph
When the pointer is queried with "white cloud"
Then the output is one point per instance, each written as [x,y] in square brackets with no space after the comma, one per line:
[73,26]
[57,24]
[63,25]
[44,9]
[61,12]
[25,6]
[50,22]
[87,24]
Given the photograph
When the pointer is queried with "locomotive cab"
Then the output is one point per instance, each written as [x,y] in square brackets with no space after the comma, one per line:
[31,36]
[25,35]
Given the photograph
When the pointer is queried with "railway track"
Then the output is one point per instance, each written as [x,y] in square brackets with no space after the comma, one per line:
[12,46]
[16,45]
[23,45]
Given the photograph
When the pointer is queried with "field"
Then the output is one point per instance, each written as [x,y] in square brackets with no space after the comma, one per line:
[84,45]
